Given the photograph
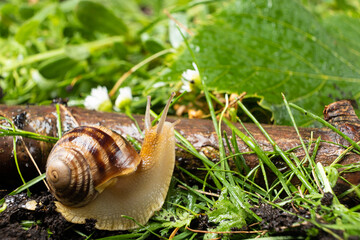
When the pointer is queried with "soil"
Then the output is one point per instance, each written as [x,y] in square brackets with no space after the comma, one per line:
[284,223]
[45,223]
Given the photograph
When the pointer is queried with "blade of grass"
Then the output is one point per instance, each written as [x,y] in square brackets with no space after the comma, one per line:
[8,131]
[277,149]
[140,225]
[192,149]
[59,128]
[15,154]
[261,164]
[184,235]
[342,155]
[221,176]
[325,123]
[313,166]
[25,186]
[224,163]
[16,160]
[196,178]
[261,154]
[239,159]
[227,167]
[122,236]
[3,207]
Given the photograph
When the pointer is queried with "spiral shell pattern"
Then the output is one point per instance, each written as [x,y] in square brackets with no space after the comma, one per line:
[84,160]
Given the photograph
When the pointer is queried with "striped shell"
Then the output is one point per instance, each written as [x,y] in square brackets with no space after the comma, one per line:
[83,162]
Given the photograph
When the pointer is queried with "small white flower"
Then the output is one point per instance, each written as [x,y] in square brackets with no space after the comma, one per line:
[124,99]
[190,79]
[98,99]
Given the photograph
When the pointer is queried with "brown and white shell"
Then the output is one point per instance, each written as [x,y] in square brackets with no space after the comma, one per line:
[96,174]
[84,160]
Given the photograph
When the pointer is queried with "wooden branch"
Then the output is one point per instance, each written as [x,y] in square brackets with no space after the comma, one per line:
[200,133]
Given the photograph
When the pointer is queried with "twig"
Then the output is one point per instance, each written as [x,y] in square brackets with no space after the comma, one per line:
[173,233]
[34,162]
[182,26]
[135,68]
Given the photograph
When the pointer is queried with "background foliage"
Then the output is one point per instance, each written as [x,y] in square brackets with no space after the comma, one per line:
[308,50]
[269,47]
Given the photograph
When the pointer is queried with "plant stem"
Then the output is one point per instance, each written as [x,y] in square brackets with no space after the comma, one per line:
[92,46]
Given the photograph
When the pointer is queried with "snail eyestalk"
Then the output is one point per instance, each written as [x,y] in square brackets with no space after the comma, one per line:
[147,114]
[163,116]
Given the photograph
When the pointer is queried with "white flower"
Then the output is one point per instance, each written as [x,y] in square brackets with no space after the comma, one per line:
[190,79]
[98,99]
[124,99]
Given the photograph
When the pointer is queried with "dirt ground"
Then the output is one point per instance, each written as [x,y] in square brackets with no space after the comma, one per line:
[50,224]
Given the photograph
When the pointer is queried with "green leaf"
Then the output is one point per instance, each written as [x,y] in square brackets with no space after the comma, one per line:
[271,47]
[180,219]
[153,45]
[345,28]
[56,67]
[27,30]
[226,215]
[97,17]
[30,27]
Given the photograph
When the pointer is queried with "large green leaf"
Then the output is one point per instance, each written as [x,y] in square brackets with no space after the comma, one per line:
[346,29]
[97,17]
[268,47]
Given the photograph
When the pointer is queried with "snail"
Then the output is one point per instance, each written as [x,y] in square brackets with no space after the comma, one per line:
[95,173]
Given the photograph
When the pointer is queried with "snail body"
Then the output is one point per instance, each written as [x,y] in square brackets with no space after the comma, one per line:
[95,173]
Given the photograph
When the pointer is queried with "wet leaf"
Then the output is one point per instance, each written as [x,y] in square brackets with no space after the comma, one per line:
[179,219]
[226,215]
[258,47]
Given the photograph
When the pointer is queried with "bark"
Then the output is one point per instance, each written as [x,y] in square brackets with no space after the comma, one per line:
[42,120]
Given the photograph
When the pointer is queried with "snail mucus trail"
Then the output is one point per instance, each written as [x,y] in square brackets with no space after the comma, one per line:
[95,173]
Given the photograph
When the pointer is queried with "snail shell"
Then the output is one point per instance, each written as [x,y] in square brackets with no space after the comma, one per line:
[84,160]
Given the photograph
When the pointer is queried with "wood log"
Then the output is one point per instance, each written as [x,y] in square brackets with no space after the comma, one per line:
[200,133]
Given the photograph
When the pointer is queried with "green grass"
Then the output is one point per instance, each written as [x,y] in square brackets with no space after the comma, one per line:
[51,52]
[240,194]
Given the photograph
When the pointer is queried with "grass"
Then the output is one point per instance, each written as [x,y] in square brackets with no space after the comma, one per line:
[226,203]
[240,195]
